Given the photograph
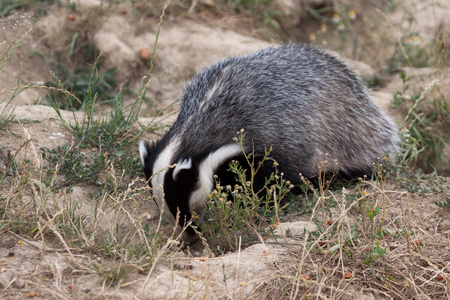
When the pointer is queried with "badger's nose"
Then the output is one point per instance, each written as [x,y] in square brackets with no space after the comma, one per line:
[190,238]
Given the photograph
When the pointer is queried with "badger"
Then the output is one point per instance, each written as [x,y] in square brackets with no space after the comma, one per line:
[297,99]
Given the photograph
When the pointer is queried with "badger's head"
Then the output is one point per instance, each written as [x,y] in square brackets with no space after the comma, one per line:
[184,183]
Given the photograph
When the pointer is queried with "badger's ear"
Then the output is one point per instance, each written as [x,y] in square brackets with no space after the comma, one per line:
[182,166]
[145,149]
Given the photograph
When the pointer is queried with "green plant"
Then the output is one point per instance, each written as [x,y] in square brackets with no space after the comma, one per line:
[8,163]
[444,204]
[237,216]
[370,205]
[6,114]
[378,80]
[11,5]
[239,5]
[114,275]
[79,80]
[409,51]
[338,25]
[320,189]
[78,166]
[78,84]
[400,97]
[376,252]
[352,237]
[111,137]
[267,15]
[426,127]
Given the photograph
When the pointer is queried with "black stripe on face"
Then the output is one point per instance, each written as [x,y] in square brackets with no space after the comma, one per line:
[177,194]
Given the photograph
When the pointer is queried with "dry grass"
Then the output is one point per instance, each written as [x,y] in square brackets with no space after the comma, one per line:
[391,255]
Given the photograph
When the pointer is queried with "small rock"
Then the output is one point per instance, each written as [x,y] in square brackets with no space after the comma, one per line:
[19,283]
[394,245]
[4,280]
[445,225]
[144,53]
[32,294]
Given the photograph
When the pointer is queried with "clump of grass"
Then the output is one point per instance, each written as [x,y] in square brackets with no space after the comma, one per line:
[73,72]
[265,16]
[6,112]
[266,13]
[15,20]
[347,28]
[71,65]
[358,241]
[6,55]
[409,51]
[339,20]
[78,83]
[444,204]
[238,216]
[426,126]
[101,141]
[8,6]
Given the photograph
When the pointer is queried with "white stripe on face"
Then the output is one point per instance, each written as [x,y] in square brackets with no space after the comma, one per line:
[160,168]
[143,154]
[206,174]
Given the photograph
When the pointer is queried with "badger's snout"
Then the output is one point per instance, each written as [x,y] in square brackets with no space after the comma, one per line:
[190,238]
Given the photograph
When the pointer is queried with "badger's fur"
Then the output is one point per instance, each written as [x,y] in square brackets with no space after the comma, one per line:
[300,100]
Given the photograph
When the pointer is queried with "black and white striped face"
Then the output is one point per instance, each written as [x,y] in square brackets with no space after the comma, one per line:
[184,183]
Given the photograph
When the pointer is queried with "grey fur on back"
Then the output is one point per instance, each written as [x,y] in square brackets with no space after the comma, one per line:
[298,99]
